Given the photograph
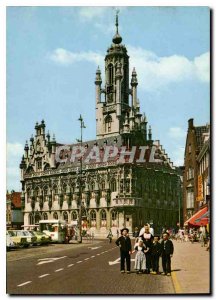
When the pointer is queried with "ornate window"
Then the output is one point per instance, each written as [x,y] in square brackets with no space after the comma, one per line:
[31,219]
[65,216]
[113,185]
[110,73]
[39,165]
[45,216]
[37,218]
[114,215]
[55,216]
[102,185]
[74,215]
[93,218]
[103,218]
[108,123]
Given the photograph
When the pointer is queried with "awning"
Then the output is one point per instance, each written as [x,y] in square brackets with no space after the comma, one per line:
[195,220]
[204,219]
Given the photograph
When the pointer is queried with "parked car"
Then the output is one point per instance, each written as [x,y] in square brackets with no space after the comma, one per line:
[42,238]
[10,244]
[20,241]
[25,234]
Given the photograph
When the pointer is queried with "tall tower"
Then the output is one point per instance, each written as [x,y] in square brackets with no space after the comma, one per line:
[110,113]
[114,114]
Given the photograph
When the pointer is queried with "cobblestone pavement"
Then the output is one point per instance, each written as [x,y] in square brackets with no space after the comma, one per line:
[191,268]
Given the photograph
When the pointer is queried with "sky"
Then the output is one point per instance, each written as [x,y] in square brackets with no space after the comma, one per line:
[52,55]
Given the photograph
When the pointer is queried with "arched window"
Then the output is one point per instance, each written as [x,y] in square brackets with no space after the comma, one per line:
[93,218]
[55,216]
[108,123]
[37,218]
[103,215]
[45,191]
[65,216]
[110,73]
[92,186]
[114,215]
[45,216]
[102,185]
[55,189]
[37,192]
[31,219]
[74,215]
[103,218]
[113,185]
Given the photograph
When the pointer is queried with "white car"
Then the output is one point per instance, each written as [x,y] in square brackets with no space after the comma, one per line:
[10,244]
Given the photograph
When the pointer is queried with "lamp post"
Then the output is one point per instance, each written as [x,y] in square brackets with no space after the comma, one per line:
[80,182]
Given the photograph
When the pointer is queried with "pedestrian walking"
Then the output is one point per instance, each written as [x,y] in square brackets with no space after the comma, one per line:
[155,255]
[167,252]
[124,243]
[147,238]
[140,258]
[110,235]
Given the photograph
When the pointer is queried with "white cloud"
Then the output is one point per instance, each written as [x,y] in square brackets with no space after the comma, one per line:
[14,150]
[66,57]
[154,72]
[202,67]
[178,156]
[176,133]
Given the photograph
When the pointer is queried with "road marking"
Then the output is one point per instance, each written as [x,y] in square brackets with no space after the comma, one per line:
[24,283]
[92,256]
[44,275]
[78,262]
[58,270]
[176,283]
[98,254]
[48,260]
[117,261]
[86,258]
[70,265]
[93,248]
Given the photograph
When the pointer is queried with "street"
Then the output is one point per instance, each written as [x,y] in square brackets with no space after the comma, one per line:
[88,268]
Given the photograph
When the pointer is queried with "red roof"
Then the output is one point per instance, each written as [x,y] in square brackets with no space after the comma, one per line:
[15,198]
[198,215]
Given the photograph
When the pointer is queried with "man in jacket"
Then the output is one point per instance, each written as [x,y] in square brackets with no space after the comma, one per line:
[167,252]
[124,243]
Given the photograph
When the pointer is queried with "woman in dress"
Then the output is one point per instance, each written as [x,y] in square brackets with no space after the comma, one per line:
[140,259]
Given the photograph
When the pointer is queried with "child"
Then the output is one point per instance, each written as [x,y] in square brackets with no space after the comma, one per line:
[155,255]
[124,243]
[140,259]
[167,252]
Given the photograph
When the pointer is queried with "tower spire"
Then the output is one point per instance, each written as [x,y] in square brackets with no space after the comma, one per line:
[117,12]
[117,38]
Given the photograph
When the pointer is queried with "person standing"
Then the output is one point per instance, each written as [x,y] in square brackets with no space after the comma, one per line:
[124,243]
[155,255]
[167,252]
[140,259]
[147,238]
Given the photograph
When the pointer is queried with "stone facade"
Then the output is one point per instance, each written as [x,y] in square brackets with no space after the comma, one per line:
[112,194]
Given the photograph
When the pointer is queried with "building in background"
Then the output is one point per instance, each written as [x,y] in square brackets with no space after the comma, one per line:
[14,213]
[196,173]
[112,194]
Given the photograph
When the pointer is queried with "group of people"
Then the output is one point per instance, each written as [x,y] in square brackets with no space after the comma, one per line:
[148,249]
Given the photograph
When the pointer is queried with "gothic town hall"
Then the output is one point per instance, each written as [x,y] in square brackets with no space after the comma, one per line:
[112,195]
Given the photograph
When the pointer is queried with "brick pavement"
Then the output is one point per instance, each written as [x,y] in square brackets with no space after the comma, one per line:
[191,268]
